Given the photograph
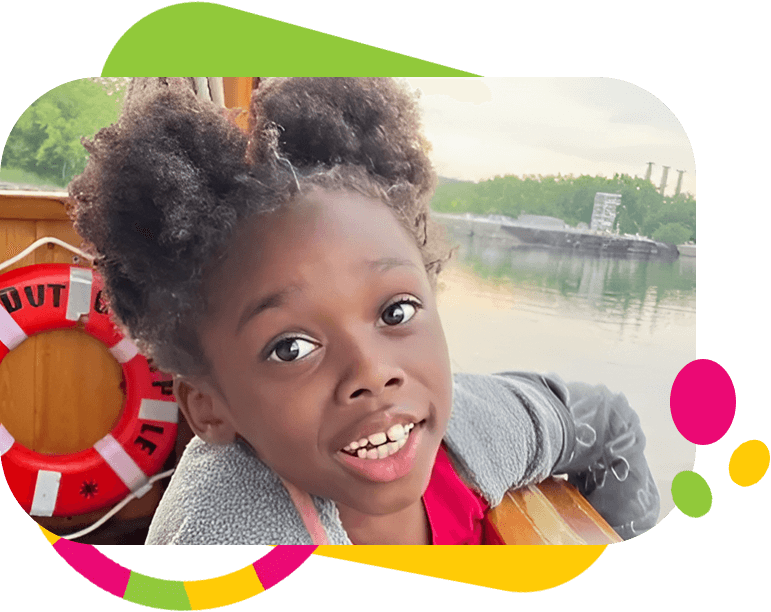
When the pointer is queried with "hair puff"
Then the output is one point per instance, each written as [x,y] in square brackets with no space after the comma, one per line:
[167,186]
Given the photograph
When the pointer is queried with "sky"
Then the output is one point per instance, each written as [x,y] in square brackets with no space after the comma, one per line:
[481,128]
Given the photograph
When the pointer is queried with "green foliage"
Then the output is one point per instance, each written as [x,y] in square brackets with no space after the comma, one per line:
[46,139]
[642,211]
[674,233]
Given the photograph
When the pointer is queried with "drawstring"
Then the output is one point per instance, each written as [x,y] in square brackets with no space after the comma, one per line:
[301,500]
[310,517]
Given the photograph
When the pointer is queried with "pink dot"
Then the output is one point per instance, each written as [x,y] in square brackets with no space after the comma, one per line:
[703,402]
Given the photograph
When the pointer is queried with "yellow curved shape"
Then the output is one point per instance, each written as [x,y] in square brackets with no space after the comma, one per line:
[223,590]
[508,568]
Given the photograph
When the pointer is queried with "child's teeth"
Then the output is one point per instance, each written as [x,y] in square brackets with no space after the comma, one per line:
[385,444]
[396,433]
[377,439]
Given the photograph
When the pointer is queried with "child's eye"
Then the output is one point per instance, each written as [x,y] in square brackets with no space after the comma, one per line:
[400,312]
[291,349]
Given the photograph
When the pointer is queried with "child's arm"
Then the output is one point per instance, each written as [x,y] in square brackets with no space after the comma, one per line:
[606,462]
[517,428]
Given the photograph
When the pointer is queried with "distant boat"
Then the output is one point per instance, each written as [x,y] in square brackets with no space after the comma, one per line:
[548,232]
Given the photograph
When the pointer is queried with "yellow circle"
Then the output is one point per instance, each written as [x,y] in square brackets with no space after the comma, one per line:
[749,463]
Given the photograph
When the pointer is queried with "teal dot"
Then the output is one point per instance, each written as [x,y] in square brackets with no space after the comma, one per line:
[691,494]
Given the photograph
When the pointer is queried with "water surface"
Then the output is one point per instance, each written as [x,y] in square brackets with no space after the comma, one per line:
[629,324]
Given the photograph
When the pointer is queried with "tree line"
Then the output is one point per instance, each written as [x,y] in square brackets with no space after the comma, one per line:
[44,146]
[643,209]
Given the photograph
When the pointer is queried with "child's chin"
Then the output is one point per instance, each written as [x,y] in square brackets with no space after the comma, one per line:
[385,507]
[388,498]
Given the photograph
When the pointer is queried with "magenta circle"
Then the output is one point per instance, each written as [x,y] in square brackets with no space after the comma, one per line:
[703,402]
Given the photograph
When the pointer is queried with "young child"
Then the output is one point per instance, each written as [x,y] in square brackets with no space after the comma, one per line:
[287,279]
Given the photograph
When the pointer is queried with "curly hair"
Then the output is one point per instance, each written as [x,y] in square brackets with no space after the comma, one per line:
[168,185]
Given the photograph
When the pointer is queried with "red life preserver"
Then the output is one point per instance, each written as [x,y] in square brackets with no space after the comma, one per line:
[45,297]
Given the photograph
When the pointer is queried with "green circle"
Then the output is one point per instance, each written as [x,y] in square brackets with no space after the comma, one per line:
[691,494]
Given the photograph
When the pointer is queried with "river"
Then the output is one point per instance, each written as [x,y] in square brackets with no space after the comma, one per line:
[629,324]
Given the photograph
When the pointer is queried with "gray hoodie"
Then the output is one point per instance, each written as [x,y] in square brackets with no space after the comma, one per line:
[506,431]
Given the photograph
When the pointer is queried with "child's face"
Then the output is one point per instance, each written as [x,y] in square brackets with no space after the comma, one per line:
[327,333]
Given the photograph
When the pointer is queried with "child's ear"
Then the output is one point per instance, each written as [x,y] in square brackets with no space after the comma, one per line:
[203,409]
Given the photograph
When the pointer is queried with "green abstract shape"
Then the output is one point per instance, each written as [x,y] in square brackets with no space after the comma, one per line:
[157,593]
[691,494]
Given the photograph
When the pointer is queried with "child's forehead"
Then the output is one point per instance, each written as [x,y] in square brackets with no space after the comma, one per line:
[329,219]
[318,225]
[327,243]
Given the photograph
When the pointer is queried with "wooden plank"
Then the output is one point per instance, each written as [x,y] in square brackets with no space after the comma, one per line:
[32,205]
[17,370]
[15,236]
[552,512]
[238,94]
[578,513]
[513,525]
[17,392]
[78,397]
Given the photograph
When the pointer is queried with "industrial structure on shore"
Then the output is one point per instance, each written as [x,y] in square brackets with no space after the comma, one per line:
[534,231]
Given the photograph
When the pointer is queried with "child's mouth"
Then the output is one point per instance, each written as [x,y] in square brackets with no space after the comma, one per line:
[389,460]
[382,444]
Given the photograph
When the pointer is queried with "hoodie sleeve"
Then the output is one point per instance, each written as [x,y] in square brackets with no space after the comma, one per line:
[512,429]
[605,459]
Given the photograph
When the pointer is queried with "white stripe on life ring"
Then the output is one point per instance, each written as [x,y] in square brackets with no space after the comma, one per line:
[6,440]
[79,297]
[124,351]
[157,410]
[121,463]
[11,333]
[46,492]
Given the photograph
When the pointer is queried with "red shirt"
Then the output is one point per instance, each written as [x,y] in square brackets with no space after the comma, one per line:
[455,513]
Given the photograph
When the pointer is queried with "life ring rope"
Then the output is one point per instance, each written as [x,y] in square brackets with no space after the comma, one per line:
[113,511]
[40,242]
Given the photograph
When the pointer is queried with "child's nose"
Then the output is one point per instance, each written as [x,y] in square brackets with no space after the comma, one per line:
[369,372]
